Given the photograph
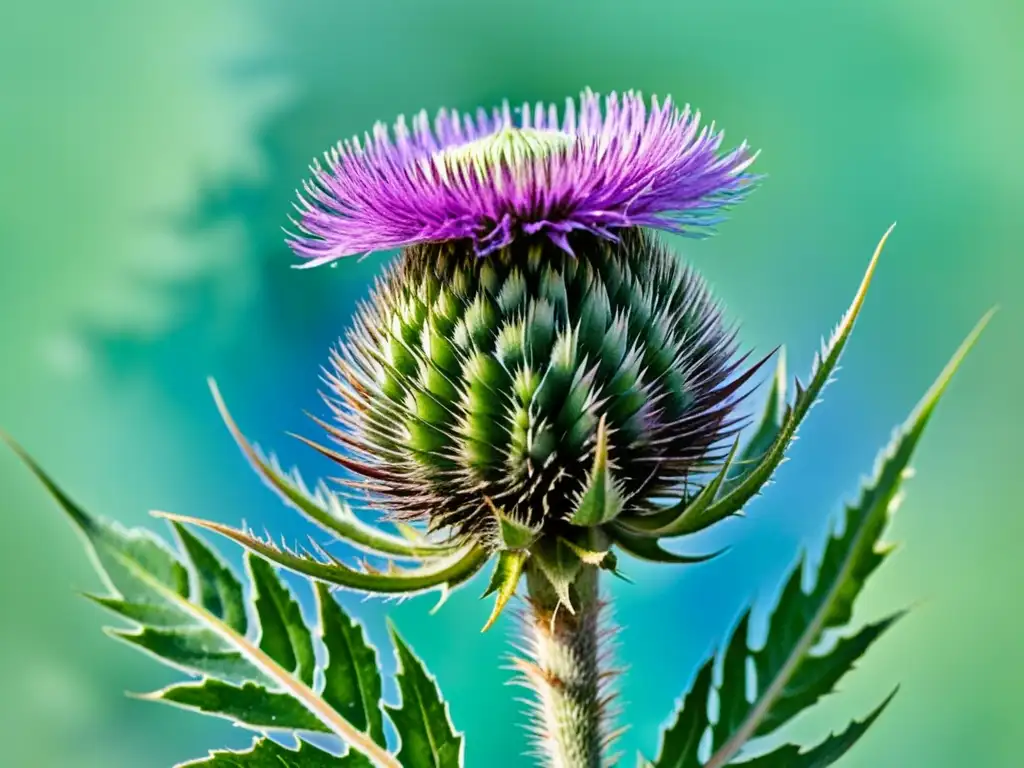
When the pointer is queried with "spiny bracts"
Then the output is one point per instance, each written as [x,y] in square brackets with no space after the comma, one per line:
[534,386]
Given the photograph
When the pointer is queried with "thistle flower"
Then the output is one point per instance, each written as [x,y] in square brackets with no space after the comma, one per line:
[491,179]
[534,357]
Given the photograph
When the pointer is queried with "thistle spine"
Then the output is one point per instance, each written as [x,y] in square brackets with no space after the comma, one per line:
[566,668]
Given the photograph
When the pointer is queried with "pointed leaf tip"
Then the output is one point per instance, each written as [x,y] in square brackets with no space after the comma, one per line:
[508,570]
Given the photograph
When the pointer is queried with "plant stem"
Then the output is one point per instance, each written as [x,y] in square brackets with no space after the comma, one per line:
[565,670]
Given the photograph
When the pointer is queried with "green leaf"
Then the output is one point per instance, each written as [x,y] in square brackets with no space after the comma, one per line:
[680,742]
[352,683]
[266,753]
[265,683]
[422,721]
[323,507]
[821,756]
[250,705]
[790,675]
[220,591]
[284,635]
[445,573]
[507,571]
[745,482]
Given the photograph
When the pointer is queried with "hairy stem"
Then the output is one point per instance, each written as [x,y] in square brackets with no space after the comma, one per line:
[564,670]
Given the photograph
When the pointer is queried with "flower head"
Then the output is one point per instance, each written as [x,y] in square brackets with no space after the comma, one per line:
[491,178]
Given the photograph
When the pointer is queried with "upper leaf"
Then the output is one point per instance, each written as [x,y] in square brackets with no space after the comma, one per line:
[790,676]
[428,737]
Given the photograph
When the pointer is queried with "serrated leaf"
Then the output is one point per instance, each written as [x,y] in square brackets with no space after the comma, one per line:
[818,674]
[508,569]
[680,742]
[150,584]
[444,573]
[219,590]
[323,507]
[821,756]
[428,737]
[284,635]
[790,676]
[602,498]
[709,508]
[266,753]
[249,704]
[352,682]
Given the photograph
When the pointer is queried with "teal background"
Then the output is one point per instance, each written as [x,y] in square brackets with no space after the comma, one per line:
[150,153]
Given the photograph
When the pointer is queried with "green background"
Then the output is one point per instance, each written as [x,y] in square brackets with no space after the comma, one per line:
[150,153]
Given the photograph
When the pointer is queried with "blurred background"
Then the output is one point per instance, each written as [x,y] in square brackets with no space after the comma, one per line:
[151,151]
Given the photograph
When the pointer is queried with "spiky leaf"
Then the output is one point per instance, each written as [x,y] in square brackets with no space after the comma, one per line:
[220,591]
[352,683]
[428,737]
[266,753]
[261,678]
[284,635]
[791,676]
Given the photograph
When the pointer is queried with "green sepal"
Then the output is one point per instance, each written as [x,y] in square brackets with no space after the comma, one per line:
[508,569]
[746,481]
[513,534]
[323,507]
[443,573]
[266,753]
[602,499]
[422,721]
[560,565]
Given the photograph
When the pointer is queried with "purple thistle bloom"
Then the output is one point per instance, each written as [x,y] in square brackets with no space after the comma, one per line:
[491,178]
